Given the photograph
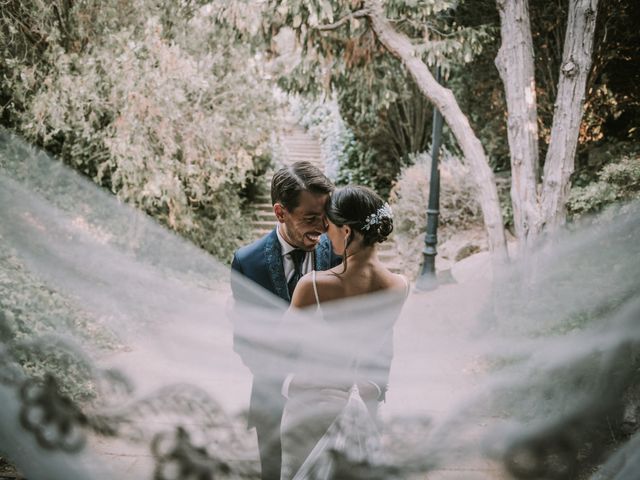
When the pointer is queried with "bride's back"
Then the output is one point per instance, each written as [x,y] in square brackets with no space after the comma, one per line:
[360,279]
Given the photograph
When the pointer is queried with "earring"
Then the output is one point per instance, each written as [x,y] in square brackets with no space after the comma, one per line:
[346,241]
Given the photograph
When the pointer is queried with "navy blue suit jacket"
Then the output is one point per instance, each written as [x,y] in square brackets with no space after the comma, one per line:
[262,263]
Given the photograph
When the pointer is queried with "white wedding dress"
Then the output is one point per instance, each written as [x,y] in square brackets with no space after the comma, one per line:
[330,418]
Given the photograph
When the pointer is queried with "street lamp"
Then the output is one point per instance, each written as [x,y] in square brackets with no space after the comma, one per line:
[427,279]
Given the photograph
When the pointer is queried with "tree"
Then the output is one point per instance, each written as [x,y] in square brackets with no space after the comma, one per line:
[148,98]
[332,32]
[401,46]
[389,117]
[535,211]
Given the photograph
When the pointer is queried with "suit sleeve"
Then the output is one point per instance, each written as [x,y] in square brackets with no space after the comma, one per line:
[241,327]
[257,349]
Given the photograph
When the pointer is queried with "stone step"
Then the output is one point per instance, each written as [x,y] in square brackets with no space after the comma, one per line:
[301,147]
[387,256]
[298,131]
[301,150]
[263,205]
[316,164]
[263,224]
[306,158]
[306,140]
[261,232]
[262,211]
[264,215]
[299,136]
[310,152]
[386,246]
[312,157]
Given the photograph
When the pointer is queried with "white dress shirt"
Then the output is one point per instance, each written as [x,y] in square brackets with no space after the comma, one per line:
[289,270]
[287,261]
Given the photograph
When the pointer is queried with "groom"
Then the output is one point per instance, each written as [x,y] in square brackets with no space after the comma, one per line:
[276,262]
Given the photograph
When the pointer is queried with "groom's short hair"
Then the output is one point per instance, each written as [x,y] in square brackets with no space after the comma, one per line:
[290,181]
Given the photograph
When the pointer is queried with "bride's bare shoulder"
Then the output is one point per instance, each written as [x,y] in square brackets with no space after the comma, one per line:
[303,295]
[396,281]
[400,280]
[327,275]
[328,278]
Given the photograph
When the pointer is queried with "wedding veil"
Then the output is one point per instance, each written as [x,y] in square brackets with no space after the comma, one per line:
[119,361]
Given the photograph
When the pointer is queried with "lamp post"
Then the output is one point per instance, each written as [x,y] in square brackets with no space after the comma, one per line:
[427,279]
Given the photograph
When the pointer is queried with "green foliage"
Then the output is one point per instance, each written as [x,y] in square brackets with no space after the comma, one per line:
[150,100]
[348,160]
[612,106]
[459,209]
[617,181]
[29,309]
[464,38]
[387,115]
[611,110]
[590,198]
[389,131]
[166,112]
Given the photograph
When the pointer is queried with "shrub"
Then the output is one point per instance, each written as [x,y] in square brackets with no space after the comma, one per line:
[615,182]
[459,209]
[29,308]
[176,122]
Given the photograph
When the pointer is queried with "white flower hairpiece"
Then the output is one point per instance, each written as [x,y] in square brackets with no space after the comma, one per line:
[383,212]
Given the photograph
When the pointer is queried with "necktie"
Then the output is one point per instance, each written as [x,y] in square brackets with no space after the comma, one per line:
[297,256]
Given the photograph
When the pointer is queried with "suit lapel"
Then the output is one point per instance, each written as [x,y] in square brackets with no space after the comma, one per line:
[323,255]
[273,257]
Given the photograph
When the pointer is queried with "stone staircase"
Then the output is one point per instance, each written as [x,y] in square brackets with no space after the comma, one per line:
[388,254]
[299,145]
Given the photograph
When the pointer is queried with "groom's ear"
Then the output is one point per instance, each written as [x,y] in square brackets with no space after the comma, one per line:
[279,211]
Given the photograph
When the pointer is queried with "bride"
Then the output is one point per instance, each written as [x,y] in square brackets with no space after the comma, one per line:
[319,389]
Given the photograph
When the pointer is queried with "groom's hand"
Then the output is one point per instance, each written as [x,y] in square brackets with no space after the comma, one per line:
[369,391]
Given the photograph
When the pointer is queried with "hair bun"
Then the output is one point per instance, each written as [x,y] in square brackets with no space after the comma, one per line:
[385,227]
[362,209]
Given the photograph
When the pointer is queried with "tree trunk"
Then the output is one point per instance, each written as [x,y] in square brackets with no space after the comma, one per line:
[515,63]
[576,63]
[443,99]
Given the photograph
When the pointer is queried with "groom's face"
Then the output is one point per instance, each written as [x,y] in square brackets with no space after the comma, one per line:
[302,226]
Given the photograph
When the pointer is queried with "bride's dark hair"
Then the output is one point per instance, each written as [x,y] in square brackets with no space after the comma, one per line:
[354,205]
